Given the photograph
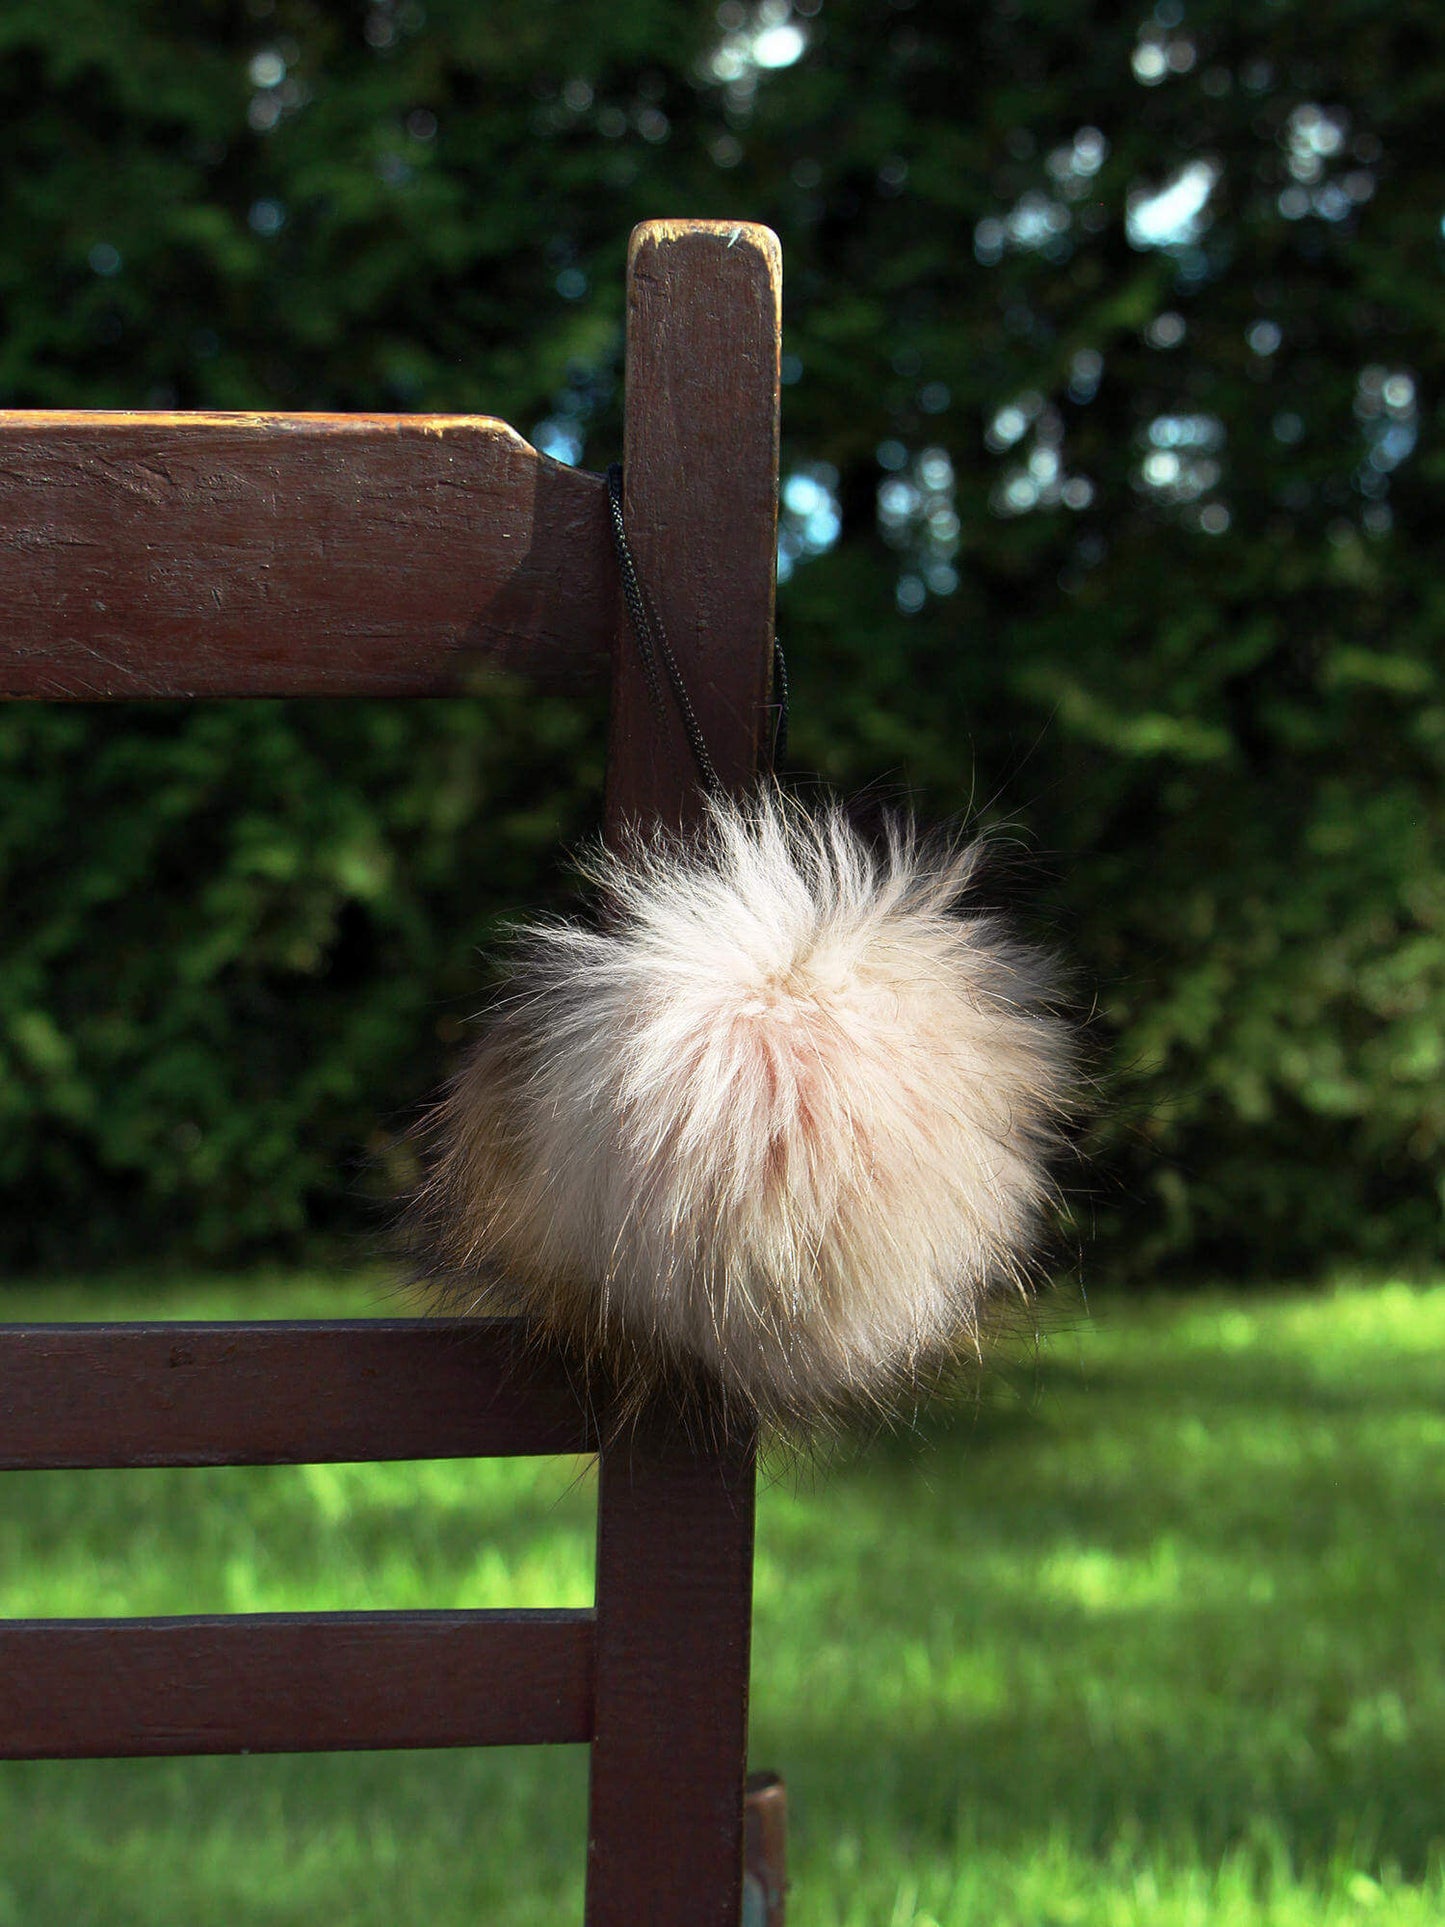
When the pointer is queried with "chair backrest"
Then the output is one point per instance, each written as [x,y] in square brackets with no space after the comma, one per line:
[251,555]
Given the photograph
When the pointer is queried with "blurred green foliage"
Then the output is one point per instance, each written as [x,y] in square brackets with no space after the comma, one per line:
[1113,360]
[237,944]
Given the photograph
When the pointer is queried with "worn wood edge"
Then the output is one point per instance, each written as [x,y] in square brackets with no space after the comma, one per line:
[294,1683]
[753,235]
[148,1394]
[174,555]
[122,422]
[726,279]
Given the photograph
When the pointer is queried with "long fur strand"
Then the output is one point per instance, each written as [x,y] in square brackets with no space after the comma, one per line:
[781,1122]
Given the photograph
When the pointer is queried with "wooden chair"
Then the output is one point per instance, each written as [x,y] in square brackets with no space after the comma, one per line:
[191,555]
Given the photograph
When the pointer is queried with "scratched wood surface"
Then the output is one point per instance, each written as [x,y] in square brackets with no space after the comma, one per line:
[292,1683]
[675,1519]
[280,1394]
[700,490]
[307,555]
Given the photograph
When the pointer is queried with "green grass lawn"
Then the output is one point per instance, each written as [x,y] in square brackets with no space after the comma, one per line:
[1155,1633]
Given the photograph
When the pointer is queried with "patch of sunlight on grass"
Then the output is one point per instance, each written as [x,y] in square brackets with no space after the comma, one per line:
[370,1291]
[1097,1581]
[359,1840]
[451,1533]
[1147,1635]
[1150,1636]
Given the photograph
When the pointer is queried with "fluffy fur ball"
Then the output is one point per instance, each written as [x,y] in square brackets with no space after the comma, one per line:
[781,1122]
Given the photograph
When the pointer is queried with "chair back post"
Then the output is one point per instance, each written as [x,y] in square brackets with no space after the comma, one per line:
[675,1520]
[162,555]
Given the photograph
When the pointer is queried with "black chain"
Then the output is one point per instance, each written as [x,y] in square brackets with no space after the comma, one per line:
[652,644]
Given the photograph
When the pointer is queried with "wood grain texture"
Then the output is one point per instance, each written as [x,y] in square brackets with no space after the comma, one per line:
[194,556]
[292,1683]
[700,495]
[675,1519]
[669,1754]
[307,555]
[280,1394]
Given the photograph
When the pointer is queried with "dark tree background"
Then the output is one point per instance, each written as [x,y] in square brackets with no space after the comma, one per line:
[1113,359]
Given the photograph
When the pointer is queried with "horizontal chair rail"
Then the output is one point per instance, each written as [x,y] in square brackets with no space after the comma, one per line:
[329,1391]
[293,1683]
[180,555]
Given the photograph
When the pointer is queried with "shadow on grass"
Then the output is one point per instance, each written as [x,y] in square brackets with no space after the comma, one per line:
[1166,1592]
[1166,1588]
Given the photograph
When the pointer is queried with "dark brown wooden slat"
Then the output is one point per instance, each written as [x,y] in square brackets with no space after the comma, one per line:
[675,1521]
[280,1394]
[293,1683]
[674,1608]
[305,555]
[701,501]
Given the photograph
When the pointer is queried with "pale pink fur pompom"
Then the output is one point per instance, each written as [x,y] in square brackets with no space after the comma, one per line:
[780,1123]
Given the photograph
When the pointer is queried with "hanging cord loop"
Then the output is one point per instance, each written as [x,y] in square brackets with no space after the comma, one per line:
[654,647]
